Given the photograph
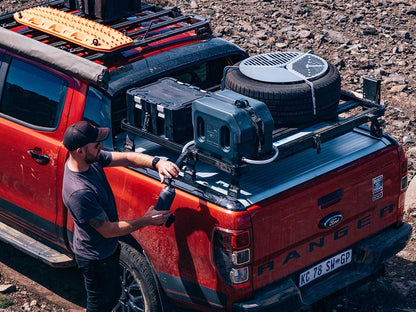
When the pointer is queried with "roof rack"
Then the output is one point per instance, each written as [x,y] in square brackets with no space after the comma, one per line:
[149,25]
[196,23]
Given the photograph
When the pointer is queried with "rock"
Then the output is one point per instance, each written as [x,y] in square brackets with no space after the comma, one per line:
[396,78]
[398,88]
[286,29]
[369,30]
[7,288]
[336,37]
[305,34]
[357,18]
[194,5]
[410,202]
[341,18]
[411,10]
[26,306]
[365,63]
[339,63]
[403,34]
[407,139]
[281,45]
[398,124]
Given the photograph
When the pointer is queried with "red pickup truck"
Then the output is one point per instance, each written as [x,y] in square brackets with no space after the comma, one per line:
[305,201]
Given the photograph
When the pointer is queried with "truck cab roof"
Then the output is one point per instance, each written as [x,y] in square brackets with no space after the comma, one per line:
[183,39]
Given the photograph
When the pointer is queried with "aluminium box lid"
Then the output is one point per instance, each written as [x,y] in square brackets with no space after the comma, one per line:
[167,92]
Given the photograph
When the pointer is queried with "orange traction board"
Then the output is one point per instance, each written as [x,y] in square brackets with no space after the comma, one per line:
[73,28]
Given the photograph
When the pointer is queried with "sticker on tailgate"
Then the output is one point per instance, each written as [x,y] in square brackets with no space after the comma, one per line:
[325,267]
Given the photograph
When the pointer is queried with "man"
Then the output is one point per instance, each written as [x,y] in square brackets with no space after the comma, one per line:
[88,196]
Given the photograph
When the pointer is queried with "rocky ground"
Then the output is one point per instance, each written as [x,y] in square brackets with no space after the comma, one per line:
[361,37]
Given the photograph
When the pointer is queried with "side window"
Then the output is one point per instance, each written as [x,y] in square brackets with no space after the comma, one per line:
[98,109]
[33,95]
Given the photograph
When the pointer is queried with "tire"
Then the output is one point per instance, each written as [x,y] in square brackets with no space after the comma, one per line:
[291,103]
[139,290]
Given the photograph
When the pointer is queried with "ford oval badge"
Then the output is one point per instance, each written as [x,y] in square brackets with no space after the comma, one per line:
[330,220]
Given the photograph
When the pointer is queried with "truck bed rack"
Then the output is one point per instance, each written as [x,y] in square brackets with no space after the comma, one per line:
[289,140]
[370,113]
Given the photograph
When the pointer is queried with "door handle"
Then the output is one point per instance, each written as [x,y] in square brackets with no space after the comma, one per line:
[37,156]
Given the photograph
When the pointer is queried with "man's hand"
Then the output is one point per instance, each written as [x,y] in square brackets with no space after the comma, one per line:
[168,169]
[120,228]
[156,217]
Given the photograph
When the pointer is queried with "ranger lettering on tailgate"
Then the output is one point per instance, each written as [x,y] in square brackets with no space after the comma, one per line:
[338,234]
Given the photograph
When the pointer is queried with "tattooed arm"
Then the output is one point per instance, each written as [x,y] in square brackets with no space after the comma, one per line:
[119,228]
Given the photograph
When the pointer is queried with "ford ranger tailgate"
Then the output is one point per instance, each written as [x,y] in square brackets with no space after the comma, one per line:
[326,202]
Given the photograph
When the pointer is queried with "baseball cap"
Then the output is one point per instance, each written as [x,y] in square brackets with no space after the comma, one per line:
[82,133]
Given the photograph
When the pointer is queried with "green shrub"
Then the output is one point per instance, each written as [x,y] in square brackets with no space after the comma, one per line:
[5,301]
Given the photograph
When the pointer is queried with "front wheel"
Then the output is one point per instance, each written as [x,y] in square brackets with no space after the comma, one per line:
[139,290]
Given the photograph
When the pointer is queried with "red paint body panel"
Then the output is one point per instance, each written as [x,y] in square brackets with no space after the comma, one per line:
[26,183]
[185,248]
[285,226]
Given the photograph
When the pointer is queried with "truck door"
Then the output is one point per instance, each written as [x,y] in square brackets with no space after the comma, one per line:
[33,102]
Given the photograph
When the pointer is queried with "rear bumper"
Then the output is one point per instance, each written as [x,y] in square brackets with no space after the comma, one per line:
[369,256]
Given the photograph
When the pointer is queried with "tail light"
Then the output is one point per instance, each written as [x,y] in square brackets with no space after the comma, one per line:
[232,252]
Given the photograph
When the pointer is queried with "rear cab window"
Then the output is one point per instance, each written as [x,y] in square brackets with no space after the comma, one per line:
[205,75]
[98,110]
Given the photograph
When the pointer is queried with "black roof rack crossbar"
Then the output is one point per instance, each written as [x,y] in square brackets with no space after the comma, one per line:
[140,42]
[202,23]
[41,37]
[158,25]
[149,16]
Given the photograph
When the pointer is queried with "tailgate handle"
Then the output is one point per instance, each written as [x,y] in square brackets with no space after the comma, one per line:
[330,199]
[41,159]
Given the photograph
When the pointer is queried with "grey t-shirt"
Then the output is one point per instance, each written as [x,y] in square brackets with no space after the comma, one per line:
[86,195]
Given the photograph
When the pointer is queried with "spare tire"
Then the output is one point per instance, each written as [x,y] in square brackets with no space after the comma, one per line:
[280,86]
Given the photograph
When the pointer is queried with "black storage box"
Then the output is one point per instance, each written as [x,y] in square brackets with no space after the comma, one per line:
[109,10]
[164,108]
[230,126]
[71,4]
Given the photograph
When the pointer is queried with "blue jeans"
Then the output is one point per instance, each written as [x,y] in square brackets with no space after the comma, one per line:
[102,282]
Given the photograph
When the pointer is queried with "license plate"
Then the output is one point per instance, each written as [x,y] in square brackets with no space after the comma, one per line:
[325,267]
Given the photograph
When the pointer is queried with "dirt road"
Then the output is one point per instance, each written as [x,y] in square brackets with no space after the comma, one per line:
[39,287]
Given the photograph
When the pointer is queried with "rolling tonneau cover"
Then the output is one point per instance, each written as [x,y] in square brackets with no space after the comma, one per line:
[264,181]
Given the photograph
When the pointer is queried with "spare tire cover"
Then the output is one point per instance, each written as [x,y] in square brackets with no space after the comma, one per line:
[289,97]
